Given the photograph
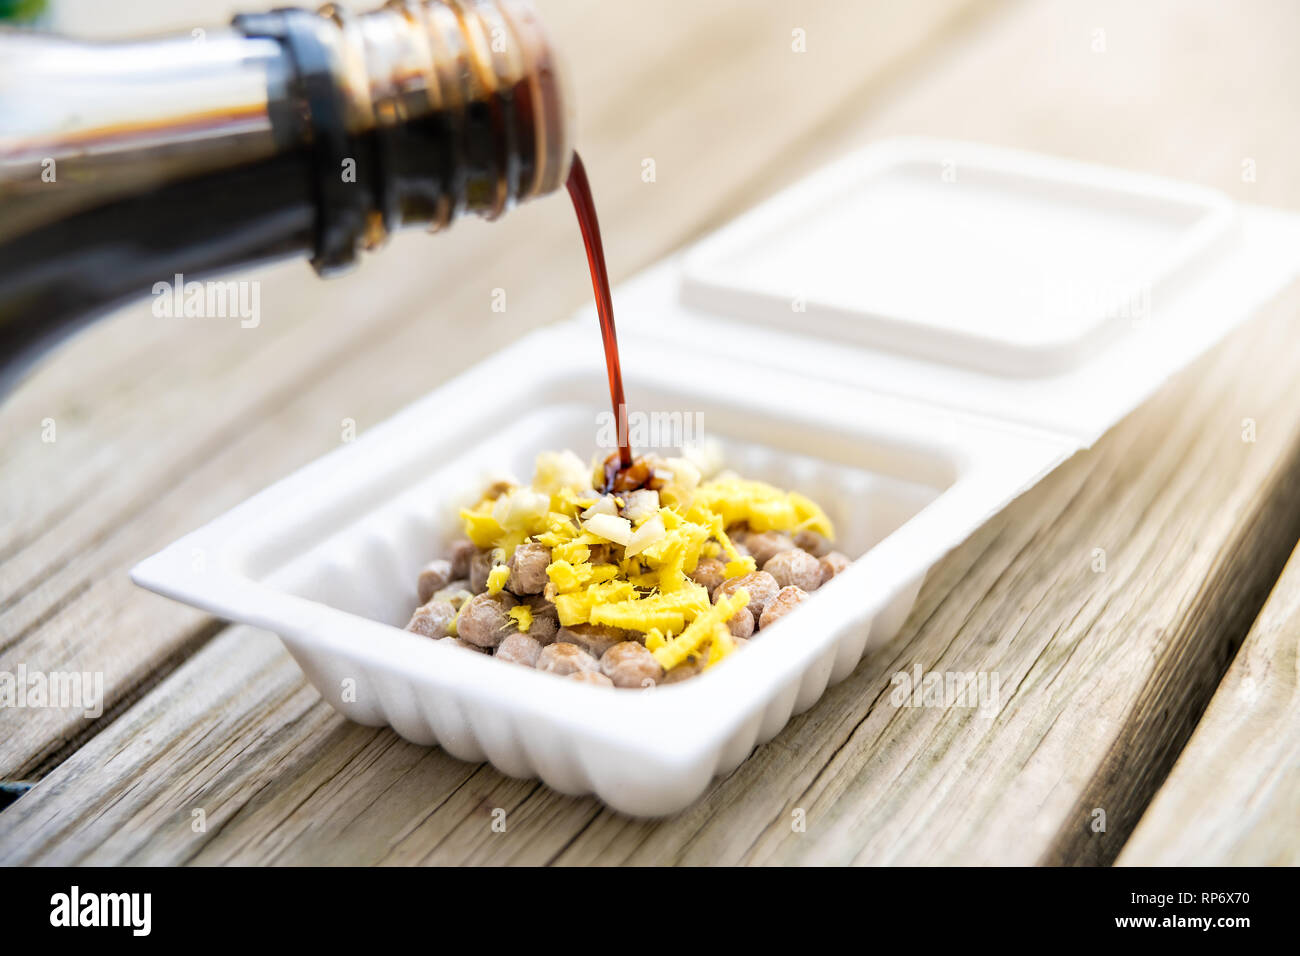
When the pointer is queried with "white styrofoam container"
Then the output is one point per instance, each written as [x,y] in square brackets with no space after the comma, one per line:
[908,425]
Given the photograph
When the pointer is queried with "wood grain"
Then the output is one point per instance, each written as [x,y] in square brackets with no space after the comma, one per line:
[1103,675]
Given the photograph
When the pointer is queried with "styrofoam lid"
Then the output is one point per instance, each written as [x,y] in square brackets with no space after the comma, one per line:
[996,260]
[1034,290]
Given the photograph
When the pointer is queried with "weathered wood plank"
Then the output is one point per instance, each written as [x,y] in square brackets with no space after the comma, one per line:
[161,425]
[1172,495]
[1233,797]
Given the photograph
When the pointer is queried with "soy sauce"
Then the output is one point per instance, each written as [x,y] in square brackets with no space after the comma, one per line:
[585,207]
[640,474]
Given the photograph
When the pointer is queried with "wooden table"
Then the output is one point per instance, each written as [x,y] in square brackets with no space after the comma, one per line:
[1129,694]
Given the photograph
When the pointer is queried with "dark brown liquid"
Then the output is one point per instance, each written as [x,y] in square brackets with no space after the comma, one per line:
[640,475]
[585,207]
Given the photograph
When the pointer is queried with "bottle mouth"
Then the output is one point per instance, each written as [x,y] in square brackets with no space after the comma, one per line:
[549,80]
[417,113]
[465,99]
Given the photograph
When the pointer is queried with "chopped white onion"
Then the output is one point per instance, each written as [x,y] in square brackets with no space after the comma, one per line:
[604,505]
[646,535]
[640,504]
[519,506]
[609,527]
[556,470]
[685,475]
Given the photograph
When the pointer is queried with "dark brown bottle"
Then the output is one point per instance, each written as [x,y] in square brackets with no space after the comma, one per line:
[289,133]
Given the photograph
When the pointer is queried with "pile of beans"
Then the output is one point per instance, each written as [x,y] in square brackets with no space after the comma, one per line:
[455,588]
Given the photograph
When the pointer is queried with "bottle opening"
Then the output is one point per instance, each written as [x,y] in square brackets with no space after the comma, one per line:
[446,108]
